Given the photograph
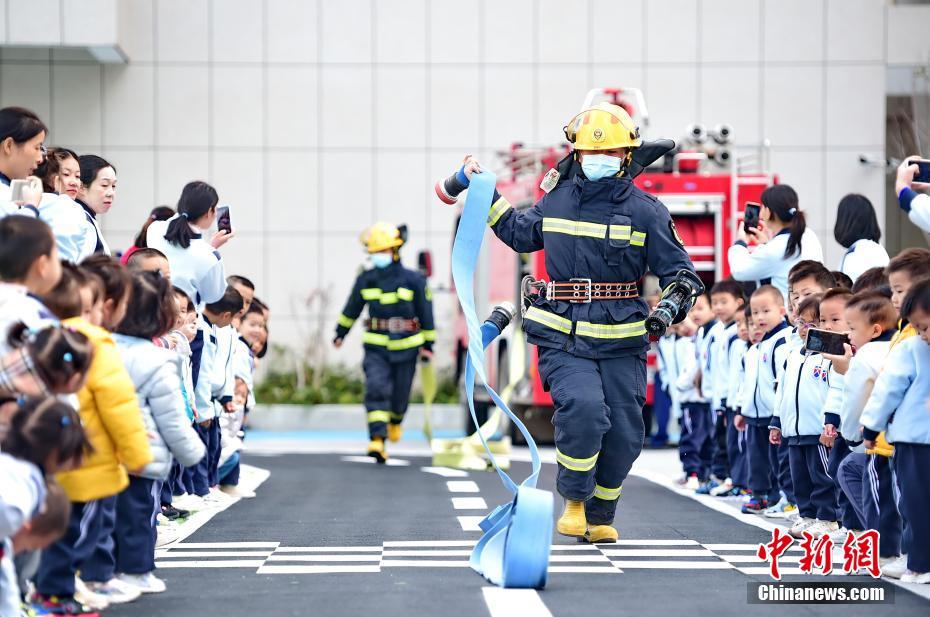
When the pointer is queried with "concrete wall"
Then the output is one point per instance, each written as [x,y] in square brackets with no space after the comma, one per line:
[314,118]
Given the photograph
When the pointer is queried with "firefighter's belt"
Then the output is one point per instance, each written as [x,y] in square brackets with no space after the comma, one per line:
[583,291]
[394,325]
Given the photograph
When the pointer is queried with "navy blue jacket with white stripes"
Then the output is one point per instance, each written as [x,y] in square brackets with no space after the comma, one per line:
[608,231]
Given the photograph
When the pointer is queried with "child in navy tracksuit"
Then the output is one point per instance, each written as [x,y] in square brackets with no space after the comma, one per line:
[213,392]
[765,365]
[872,322]
[668,368]
[696,444]
[798,421]
[727,299]
[736,439]
[898,404]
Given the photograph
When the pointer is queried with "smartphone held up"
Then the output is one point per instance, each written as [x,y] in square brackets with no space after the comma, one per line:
[826,342]
[923,173]
[223,220]
[751,216]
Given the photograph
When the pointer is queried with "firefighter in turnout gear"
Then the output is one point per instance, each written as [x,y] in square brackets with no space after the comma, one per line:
[600,234]
[399,328]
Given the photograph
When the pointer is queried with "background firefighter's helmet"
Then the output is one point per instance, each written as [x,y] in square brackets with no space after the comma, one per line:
[383,236]
[603,127]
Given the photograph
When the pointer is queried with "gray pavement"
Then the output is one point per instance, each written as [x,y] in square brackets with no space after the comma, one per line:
[330,534]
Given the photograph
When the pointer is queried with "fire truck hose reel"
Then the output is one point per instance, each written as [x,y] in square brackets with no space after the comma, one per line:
[677,300]
[517,536]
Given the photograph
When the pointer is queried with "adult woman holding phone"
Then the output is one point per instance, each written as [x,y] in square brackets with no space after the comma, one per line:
[196,265]
[782,240]
[858,232]
[22,150]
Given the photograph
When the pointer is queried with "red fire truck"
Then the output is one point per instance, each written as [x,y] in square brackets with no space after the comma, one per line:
[701,182]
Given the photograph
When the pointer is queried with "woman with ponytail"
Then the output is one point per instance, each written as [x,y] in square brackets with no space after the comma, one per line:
[196,265]
[782,241]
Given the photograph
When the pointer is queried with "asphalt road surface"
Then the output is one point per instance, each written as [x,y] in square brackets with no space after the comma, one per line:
[335,535]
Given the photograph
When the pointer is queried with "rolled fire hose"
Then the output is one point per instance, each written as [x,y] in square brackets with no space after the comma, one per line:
[514,549]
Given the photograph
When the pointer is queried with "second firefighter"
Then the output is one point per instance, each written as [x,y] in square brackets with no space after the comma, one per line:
[399,329]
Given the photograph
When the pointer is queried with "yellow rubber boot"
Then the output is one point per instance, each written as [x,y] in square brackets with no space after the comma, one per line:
[376,450]
[395,432]
[602,534]
[572,523]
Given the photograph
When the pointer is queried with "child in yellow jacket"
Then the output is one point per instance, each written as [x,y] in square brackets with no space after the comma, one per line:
[109,411]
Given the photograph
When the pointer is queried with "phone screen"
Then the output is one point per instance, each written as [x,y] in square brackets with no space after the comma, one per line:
[924,174]
[751,216]
[824,341]
[223,222]
[16,190]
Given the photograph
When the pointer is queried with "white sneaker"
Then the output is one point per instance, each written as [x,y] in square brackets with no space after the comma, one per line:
[821,527]
[85,596]
[188,501]
[216,500]
[234,490]
[146,583]
[839,536]
[116,591]
[724,487]
[919,578]
[896,568]
[692,483]
[166,534]
[801,525]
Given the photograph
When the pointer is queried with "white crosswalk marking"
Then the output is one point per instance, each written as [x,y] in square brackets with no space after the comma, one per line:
[213,563]
[626,555]
[507,602]
[343,557]
[462,486]
[469,503]
[391,462]
[318,569]
[446,472]
[470,523]
[644,552]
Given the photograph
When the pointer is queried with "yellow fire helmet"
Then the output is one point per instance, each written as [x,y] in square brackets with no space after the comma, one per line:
[381,236]
[603,127]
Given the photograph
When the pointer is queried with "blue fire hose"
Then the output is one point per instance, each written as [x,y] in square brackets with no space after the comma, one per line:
[514,550]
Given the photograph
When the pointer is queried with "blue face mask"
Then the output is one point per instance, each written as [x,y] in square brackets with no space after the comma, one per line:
[597,166]
[382,260]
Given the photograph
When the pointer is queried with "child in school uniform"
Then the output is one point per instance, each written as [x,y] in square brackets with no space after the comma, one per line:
[696,444]
[872,322]
[684,388]
[902,391]
[214,390]
[902,272]
[798,421]
[736,439]
[668,368]
[764,369]
[248,328]
[29,267]
[727,300]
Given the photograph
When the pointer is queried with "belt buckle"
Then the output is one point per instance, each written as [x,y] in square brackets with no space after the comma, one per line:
[396,325]
[581,297]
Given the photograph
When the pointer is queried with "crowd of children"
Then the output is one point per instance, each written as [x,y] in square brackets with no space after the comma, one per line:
[124,385]
[833,442]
